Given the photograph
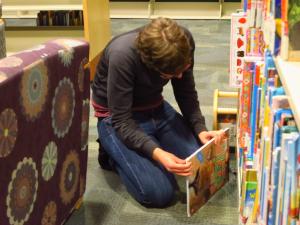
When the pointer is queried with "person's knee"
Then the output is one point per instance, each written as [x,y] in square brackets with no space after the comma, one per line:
[158,197]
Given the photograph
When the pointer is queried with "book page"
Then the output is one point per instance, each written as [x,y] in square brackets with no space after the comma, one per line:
[210,171]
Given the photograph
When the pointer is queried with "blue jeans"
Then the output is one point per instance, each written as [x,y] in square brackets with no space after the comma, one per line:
[145,179]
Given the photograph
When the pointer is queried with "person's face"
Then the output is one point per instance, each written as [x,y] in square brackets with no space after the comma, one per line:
[177,74]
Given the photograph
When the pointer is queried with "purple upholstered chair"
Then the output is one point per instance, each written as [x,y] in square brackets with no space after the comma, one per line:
[44,112]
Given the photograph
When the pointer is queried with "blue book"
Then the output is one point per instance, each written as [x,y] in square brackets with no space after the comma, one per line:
[278,91]
[277,127]
[288,134]
[289,197]
[292,166]
[274,185]
[254,108]
[269,61]
[277,14]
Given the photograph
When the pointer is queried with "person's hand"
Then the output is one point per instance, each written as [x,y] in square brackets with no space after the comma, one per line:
[172,163]
[205,136]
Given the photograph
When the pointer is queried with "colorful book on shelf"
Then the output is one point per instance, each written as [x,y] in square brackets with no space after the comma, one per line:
[264,182]
[289,210]
[252,13]
[292,207]
[278,24]
[272,27]
[210,172]
[249,185]
[288,134]
[259,13]
[237,48]
[298,178]
[255,102]
[255,44]
[274,186]
[245,100]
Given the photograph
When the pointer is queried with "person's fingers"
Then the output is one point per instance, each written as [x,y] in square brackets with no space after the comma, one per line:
[184,174]
[219,140]
[185,170]
[180,161]
[180,167]
[187,173]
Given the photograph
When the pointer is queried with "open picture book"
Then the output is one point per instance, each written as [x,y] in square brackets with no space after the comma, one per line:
[210,171]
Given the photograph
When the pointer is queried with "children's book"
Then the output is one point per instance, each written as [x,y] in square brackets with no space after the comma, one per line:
[210,171]
[247,201]
[237,48]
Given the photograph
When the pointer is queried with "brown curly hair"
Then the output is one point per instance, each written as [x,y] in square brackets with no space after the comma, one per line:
[164,46]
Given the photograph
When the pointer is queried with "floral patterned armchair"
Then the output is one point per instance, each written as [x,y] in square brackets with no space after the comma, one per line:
[44,112]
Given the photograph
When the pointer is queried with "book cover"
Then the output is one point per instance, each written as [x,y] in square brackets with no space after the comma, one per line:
[210,172]
[245,99]
[249,189]
[274,186]
[255,43]
[237,48]
[255,101]
[292,209]
[248,200]
[288,134]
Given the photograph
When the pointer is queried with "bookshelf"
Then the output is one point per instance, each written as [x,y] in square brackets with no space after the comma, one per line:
[212,9]
[30,8]
[268,129]
[288,72]
[96,29]
[30,11]
[208,9]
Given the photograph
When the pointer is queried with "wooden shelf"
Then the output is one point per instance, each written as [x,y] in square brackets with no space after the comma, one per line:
[41,7]
[216,9]
[130,9]
[289,76]
[60,28]
[191,10]
[31,11]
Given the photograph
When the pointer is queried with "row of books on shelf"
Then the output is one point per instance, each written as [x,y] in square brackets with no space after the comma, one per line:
[60,18]
[280,21]
[275,24]
[269,148]
[268,138]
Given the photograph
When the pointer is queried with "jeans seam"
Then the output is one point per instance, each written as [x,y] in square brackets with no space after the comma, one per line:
[128,165]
